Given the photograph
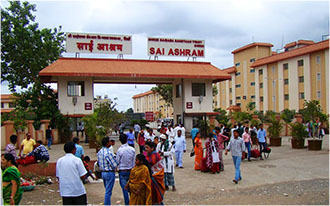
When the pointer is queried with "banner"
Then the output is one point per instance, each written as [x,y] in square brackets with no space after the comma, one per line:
[175,47]
[98,43]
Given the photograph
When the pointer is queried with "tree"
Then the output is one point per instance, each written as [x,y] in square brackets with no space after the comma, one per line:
[165,91]
[287,115]
[129,111]
[222,118]
[312,110]
[214,90]
[250,106]
[25,49]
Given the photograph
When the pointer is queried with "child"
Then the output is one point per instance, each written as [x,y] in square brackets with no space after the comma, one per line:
[89,172]
[322,133]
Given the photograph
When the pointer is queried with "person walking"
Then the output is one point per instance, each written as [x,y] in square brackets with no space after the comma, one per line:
[167,152]
[130,137]
[212,154]
[198,148]
[141,140]
[236,147]
[137,129]
[49,136]
[70,172]
[27,145]
[11,183]
[79,149]
[193,133]
[11,148]
[126,160]
[261,135]
[221,140]
[107,164]
[247,142]
[180,148]
[139,183]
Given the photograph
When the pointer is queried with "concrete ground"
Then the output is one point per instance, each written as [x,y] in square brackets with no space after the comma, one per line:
[288,176]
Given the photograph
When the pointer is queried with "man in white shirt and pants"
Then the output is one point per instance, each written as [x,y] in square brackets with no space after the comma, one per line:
[70,171]
[180,148]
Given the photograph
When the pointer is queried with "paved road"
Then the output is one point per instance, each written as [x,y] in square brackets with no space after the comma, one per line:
[285,169]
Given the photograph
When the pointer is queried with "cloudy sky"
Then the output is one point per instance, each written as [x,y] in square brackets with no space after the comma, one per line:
[224,25]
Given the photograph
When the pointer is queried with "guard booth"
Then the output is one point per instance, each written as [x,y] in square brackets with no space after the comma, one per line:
[192,83]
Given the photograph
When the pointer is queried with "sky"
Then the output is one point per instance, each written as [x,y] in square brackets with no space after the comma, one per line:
[225,25]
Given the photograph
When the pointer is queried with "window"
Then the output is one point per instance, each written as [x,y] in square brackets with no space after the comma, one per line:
[286,97]
[76,89]
[237,74]
[178,90]
[244,97]
[238,104]
[231,102]
[286,81]
[252,83]
[318,59]
[2,105]
[253,96]
[273,70]
[252,70]
[319,94]
[198,89]
[237,64]
[238,85]
[300,62]
[261,85]
[301,95]
[261,99]
[318,76]
[230,90]
[301,79]
[261,71]
[238,97]
[286,66]
[252,60]
[12,105]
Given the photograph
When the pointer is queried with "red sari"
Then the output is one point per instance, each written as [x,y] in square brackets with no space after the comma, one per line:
[214,167]
[157,180]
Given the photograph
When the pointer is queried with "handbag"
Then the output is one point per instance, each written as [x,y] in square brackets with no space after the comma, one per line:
[192,153]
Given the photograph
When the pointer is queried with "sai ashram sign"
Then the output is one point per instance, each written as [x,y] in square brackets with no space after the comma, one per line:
[175,47]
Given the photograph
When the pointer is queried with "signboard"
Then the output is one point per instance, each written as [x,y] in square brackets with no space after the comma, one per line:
[98,43]
[88,106]
[175,47]
[189,105]
[149,116]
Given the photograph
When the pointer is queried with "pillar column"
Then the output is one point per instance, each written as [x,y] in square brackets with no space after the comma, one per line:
[9,128]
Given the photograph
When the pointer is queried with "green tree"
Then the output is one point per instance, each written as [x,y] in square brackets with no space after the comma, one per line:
[129,111]
[312,110]
[214,90]
[287,115]
[25,51]
[222,118]
[165,91]
[250,106]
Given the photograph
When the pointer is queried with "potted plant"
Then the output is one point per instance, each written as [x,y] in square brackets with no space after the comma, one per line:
[299,133]
[274,130]
[312,111]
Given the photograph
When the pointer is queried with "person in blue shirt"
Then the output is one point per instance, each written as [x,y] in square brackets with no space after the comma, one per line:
[79,149]
[261,135]
[193,133]
[130,137]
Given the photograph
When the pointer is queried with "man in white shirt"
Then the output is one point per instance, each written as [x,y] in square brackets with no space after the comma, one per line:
[126,161]
[70,172]
[149,136]
[180,148]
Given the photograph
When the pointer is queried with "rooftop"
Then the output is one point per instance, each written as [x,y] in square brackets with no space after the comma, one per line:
[143,94]
[131,70]
[252,45]
[292,53]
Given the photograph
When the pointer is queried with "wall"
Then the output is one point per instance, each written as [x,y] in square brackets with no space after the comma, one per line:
[65,102]
[3,138]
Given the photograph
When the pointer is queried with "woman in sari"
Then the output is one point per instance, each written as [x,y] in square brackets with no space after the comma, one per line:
[11,190]
[212,154]
[157,179]
[139,183]
[198,151]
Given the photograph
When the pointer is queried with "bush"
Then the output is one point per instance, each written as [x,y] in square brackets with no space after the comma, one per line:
[275,127]
[298,130]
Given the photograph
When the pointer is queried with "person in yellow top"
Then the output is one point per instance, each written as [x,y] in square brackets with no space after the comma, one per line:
[27,145]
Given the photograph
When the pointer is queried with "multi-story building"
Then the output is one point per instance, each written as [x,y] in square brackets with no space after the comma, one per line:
[151,101]
[276,81]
